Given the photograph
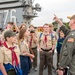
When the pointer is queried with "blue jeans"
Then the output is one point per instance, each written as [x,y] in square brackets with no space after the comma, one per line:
[9,66]
[25,64]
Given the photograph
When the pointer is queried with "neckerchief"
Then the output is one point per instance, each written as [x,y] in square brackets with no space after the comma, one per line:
[45,39]
[14,56]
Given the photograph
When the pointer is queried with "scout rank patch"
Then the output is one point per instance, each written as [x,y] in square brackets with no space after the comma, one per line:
[70,39]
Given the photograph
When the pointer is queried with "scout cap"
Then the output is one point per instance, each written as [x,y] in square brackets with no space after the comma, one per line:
[71,17]
[9,33]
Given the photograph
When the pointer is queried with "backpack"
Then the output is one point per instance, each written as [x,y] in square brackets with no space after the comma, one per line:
[52,36]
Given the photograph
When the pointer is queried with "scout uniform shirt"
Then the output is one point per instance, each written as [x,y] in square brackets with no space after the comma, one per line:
[24,47]
[5,54]
[50,41]
[31,42]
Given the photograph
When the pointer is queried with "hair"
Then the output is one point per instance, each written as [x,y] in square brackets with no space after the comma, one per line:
[45,24]
[31,26]
[21,33]
[50,25]
[11,23]
[23,24]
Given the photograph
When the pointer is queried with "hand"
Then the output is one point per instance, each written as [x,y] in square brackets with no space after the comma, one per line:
[60,72]
[31,59]
[40,50]
[51,51]
[56,18]
[32,56]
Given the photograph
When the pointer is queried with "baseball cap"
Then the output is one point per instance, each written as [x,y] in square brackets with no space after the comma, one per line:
[9,33]
[71,17]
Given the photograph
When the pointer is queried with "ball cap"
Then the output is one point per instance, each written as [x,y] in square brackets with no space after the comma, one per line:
[9,33]
[71,17]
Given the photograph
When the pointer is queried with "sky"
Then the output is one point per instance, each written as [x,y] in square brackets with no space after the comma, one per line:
[61,8]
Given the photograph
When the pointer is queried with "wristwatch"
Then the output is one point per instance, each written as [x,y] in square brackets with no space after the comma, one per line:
[61,69]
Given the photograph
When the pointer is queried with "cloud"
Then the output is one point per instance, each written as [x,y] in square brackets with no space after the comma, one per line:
[62,8]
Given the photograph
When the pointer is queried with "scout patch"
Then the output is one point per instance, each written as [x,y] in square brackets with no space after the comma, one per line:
[22,43]
[15,47]
[70,39]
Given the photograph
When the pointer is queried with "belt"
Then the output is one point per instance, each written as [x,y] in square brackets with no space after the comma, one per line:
[46,49]
[34,48]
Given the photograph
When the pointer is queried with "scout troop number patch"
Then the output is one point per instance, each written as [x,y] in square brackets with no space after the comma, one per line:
[70,39]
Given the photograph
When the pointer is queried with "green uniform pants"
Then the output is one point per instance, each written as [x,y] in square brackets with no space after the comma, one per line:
[34,64]
[48,58]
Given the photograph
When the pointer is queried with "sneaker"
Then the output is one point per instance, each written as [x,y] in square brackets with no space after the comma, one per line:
[45,67]
[35,69]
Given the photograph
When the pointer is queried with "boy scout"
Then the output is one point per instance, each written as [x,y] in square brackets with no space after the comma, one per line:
[25,53]
[9,55]
[67,55]
[33,48]
[8,27]
[46,47]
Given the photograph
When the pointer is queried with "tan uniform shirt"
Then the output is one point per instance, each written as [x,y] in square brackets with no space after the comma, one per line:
[5,54]
[50,41]
[33,43]
[24,47]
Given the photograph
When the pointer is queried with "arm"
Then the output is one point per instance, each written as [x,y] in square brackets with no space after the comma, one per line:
[53,43]
[2,69]
[30,55]
[39,47]
[58,20]
[53,47]
[63,27]
[31,51]
[34,39]
[38,42]
[52,51]
[65,30]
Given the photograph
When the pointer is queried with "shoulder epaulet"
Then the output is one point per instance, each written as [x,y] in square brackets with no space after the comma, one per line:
[40,35]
